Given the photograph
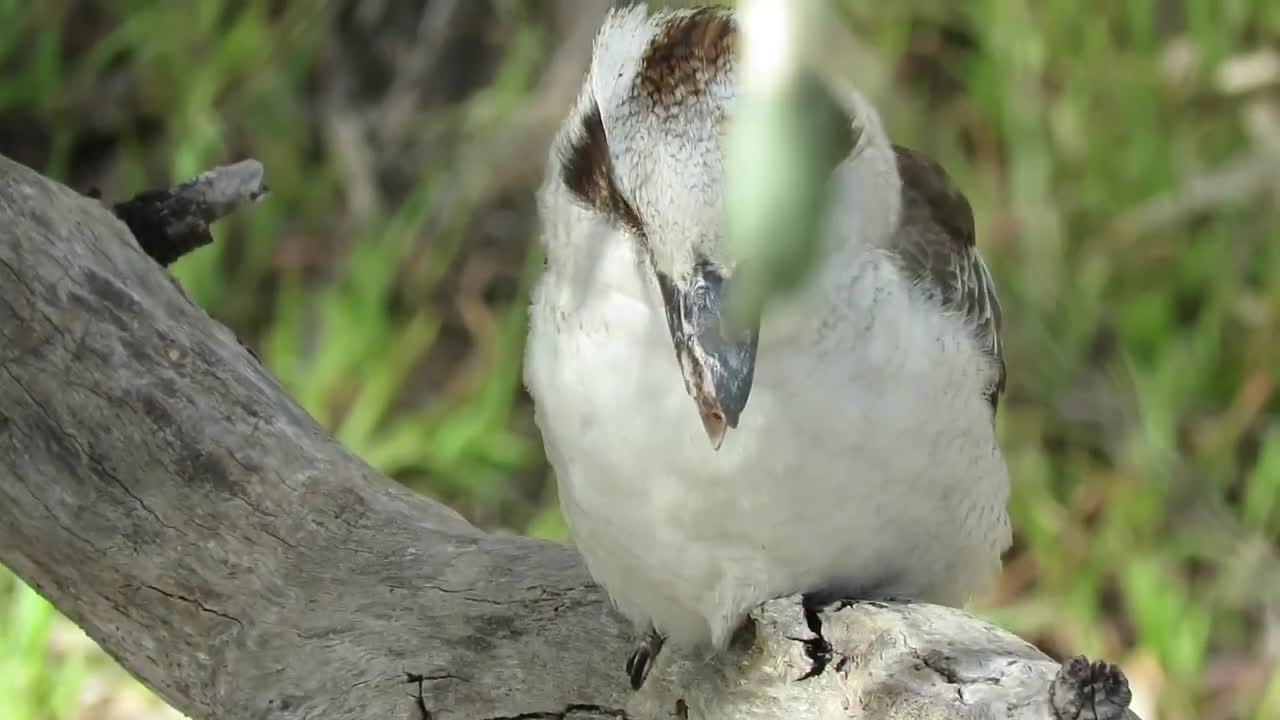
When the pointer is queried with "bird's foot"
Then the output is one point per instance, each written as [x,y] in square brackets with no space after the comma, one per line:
[642,660]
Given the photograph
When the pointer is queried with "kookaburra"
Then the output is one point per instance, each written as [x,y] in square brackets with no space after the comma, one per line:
[845,445]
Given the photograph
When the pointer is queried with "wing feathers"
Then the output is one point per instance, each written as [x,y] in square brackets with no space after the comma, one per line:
[936,244]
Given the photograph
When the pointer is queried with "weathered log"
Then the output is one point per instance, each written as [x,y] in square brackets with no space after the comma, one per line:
[165,493]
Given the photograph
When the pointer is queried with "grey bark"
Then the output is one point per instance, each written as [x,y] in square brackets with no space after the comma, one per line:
[165,493]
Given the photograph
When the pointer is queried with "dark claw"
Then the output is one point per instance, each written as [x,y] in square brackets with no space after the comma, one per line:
[641,661]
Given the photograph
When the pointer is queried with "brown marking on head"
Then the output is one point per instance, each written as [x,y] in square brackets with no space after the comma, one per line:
[588,173]
[685,54]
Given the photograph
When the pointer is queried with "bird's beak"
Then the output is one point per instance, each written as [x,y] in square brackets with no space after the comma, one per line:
[716,359]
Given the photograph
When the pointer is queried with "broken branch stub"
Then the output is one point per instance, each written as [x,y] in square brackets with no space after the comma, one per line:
[171,223]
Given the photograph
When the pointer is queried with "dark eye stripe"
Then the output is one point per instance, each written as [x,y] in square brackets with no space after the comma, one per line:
[588,173]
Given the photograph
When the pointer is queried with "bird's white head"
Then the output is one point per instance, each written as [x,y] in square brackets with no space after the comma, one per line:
[642,154]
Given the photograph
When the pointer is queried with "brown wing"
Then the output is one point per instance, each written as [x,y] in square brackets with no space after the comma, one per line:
[936,244]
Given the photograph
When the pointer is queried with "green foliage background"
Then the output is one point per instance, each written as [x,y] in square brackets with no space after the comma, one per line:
[1127,199]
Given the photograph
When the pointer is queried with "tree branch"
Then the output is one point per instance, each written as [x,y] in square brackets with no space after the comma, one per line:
[171,223]
[164,492]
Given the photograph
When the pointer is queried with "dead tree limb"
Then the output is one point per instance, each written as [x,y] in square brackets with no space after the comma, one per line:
[171,223]
[164,492]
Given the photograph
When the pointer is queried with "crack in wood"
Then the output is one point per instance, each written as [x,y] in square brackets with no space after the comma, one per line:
[193,601]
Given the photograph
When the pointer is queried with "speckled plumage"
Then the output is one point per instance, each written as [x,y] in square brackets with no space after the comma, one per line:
[865,461]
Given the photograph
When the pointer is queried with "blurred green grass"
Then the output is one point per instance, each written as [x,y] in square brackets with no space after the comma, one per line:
[383,281]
